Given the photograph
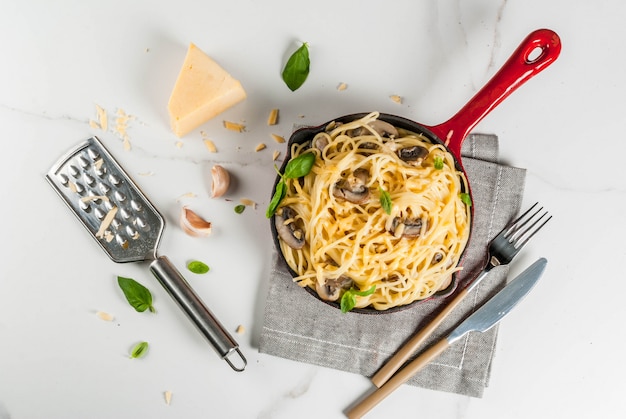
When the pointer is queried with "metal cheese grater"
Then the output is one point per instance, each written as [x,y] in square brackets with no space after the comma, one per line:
[128,227]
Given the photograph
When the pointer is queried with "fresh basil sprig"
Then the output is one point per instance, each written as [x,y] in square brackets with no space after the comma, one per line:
[385,200]
[137,295]
[348,299]
[296,168]
[198,267]
[139,350]
[297,68]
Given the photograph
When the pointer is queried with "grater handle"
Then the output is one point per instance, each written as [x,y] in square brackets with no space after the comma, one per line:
[180,290]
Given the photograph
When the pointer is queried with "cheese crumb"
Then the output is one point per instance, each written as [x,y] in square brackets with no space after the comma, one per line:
[233,126]
[167,395]
[241,330]
[179,144]
[187,195]
[396,98]
[278,138]
[121,126]
[342,87]
[104,316]
[248,202]
[102,118]
[210,145]
[273,117]
[260,147]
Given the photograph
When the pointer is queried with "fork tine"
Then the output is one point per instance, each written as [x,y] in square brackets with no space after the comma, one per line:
[519,234]
[518,223]
[526,237]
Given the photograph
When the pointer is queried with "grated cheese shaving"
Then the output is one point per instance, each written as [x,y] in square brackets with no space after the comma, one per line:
[102,118]
[272,119]
[108,236]
[241,330]
[260,147]
[121,126]
[275,155]
[168,397]
[396,98]
[104,316]
[342,87]
[72,187]
[247,202]
[108,219]
[278,138]
[210,146]
[187,195]
[233,126]
[94,198]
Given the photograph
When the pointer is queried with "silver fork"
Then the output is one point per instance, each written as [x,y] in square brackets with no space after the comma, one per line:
[502,249]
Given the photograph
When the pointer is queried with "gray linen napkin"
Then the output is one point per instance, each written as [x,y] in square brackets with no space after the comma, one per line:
[299,327]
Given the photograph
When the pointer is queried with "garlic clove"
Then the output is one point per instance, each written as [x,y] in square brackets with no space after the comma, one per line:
[193,224]
[221,181]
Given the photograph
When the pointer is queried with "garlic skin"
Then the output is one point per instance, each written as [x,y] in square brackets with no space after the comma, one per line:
[221,181]
[193,224]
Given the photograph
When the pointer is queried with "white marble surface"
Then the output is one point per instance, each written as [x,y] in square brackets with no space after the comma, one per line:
[558,354]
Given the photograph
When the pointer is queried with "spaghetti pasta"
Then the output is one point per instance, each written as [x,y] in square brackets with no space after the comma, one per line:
[381,207]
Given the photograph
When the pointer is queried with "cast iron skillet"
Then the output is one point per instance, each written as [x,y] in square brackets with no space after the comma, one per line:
[534,54]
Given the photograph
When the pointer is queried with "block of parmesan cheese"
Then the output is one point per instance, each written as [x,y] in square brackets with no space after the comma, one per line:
[203,90]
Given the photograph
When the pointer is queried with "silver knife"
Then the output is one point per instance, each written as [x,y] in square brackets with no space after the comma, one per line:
[483,319]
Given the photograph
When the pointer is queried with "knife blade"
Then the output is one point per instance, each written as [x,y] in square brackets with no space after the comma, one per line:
[483,319]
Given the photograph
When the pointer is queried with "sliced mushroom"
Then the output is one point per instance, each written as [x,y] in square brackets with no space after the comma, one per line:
[353,188]
[438,257]
[384,129]
[333,288]
[320,142]
[413,155]
[409,228]
[287,230]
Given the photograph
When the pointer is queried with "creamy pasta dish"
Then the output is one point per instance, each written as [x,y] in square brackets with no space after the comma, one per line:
[382,209]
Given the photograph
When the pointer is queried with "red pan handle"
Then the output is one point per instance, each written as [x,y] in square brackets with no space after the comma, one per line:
[534,54]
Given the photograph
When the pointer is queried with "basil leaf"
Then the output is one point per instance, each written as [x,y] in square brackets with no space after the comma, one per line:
[240,208]
[348,299]
[438,162]
[198,267]
[299,166]
[466,199]
[366,292]
[139,350]
[296,167]
[385,200]
[297,68]
[279,194]
[138,296]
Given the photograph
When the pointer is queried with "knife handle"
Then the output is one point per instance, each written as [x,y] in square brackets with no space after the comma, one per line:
[401,377]
[396,361]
